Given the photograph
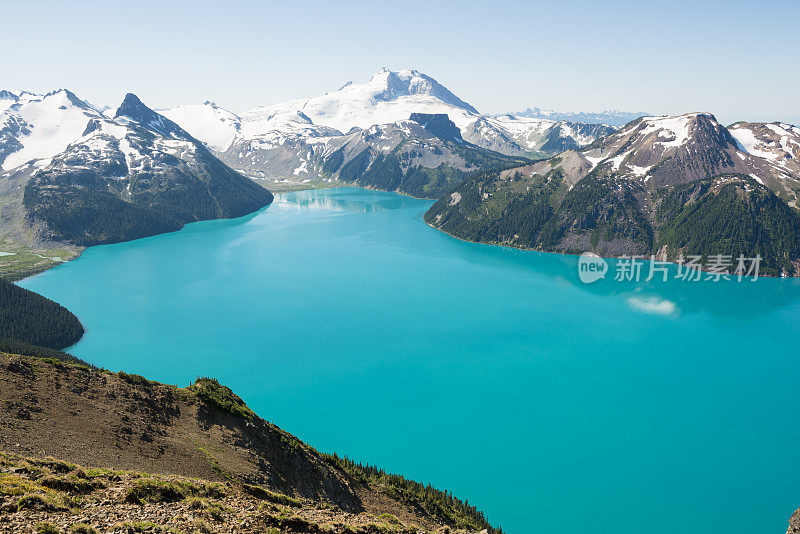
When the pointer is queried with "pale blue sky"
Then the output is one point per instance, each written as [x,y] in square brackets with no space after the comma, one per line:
[739,60]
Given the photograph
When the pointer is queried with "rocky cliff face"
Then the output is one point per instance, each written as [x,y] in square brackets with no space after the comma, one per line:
[438,124]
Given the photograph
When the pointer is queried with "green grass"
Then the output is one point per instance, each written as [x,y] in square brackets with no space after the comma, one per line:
[157,491]
[71,484]
[26,261]
[31,495]
[40,503]
[46,528]
[154,490]
[221,397]
[136,379]
[266,495]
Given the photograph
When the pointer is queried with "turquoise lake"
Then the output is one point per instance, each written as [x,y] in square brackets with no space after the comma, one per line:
[554,406]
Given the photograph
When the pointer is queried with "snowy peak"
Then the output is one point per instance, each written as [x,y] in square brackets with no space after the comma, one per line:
[389,96]
[391,85]
[213,125]
[677,131]
[70,98]
[134,110]
[37,127]
[667,150]
[279,125]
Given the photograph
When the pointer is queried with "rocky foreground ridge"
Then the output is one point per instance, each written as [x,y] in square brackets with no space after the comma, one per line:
[140,456]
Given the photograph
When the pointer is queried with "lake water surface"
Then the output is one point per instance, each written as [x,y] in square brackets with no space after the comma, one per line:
[554,406]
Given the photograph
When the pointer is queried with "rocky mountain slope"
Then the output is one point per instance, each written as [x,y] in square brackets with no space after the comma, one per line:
[73,176]
[660,185]
[404,156]
[778,144]
[122,422]
[285,140]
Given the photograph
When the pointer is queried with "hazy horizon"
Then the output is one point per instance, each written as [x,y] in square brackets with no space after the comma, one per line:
[575,57]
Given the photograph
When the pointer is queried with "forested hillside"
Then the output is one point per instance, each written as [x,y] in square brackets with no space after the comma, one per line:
[33,319]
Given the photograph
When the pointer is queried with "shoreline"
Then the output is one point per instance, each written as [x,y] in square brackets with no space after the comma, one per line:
[333,185]
[576,255]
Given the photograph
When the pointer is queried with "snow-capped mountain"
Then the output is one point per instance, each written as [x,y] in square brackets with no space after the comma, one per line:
[37,127]
[282,140]
[277,144]
[76,175]
[388,96]
[611,117]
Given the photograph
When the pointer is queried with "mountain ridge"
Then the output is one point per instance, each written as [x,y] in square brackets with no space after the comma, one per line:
[666,186]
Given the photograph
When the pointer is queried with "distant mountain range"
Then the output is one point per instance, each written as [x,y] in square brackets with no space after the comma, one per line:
[611,117]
